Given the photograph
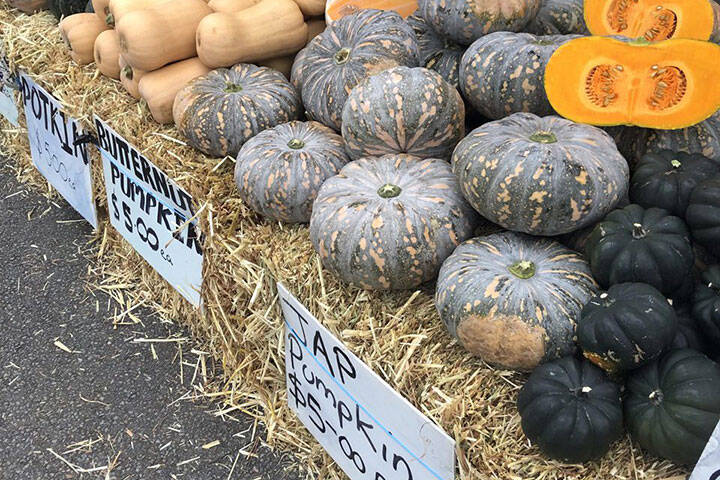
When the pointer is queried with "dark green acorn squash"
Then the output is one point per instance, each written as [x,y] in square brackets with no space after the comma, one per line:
[628,326]
[65,8]
[571,410]
[666,179]
[688,335]
[513,299]
[648,246]
[703,215]
[706,305]
[673,405]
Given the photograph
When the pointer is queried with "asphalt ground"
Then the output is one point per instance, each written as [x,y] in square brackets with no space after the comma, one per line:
[81,397]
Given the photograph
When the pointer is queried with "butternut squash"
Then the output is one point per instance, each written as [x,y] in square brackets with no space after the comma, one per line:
[315,27]
[130,78]
[311,8]
[281,64]
[119,8]
[162,33]
[272,28]
[100,7]
[80,33]
[107,54]
[160,87]
[230,6]
[29,6]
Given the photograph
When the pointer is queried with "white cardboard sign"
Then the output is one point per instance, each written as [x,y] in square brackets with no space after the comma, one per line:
[52,136]
[708,467]
[369,429]
[152,212]
[8,109]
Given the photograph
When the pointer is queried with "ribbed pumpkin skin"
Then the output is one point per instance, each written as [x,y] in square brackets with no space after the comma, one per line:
[280,170]
[628,326]
[703,214]
[672,405]
[706,306]
[389,243]
[702,138]
[218,122]
[559,17]
[348,51]
[403,110]
[571,410]
[509,321]
[688,334]
[666,179]
[540,188]
[437,52]
[633,244]
[504,73]
[464,21]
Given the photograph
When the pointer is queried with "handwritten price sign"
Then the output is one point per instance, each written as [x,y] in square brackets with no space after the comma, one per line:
[708,467]
[370,431]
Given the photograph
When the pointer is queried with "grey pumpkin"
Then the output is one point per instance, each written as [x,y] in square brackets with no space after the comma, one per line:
[512,299]
[542,176]
[559,17]
[504,72]
[403,110]
[348,51]
[218,112]
[279,171]
[437,52]
[388,222]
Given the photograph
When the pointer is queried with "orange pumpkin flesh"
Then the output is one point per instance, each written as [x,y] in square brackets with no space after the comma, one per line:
[653,20]
[604,81]
[336,9]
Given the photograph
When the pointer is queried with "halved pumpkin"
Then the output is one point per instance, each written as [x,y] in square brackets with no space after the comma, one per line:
[664,85]
[652,20]
[335,9]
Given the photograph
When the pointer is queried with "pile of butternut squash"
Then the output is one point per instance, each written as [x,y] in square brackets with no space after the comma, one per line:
[155,47]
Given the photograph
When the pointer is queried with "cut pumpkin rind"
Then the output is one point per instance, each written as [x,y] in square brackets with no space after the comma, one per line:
[605,81]
[653,20]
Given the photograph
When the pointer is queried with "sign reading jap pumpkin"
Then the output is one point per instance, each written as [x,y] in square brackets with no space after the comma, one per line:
[708,467]
[56,150]
[152,212]
[8,109]
[369,429]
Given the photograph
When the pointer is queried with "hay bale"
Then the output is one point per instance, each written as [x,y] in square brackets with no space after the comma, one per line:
[399,335]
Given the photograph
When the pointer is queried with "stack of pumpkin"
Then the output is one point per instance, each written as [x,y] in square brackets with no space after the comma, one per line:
[155,47]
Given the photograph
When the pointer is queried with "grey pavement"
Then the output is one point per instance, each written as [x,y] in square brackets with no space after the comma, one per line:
[82,398]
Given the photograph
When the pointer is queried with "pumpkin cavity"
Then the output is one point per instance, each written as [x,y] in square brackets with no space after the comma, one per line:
[600,84]
[659,24]
[669,89]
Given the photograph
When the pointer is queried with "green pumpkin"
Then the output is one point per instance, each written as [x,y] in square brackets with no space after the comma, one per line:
[706,306]
[512,299]
[571,410]
[666,179]
[672,406]
[688,334]
[351,49]
[65,8]
[633,244]
[435,51]
[218,112]
[464,21]
[403,110]
[703,214]
[388,223]
[504,73]
[280,170]
[559,17]
[628,326]
[542,176]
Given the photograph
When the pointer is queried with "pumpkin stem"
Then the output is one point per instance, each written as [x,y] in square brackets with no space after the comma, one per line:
[389,191]
[638,231]
[543,137]
[656,397]
[233,88]
[522,269]
[605,299]
[128,72]
[342,56]
[109,19]
[676,163]
[296,144]
[581,392]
